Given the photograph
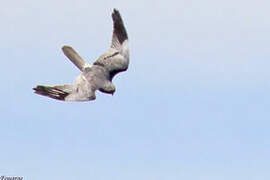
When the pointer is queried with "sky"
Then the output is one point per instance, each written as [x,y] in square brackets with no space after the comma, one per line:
[194,103]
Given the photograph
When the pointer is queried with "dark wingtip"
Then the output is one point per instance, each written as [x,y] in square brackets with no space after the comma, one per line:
[37,88]
[115,11]
[41,90]
[116,15]
[51,92]
[119,28]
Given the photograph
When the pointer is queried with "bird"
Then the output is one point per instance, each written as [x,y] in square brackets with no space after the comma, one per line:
[95,77]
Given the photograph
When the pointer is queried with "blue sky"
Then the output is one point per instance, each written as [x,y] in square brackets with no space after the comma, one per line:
[194,103]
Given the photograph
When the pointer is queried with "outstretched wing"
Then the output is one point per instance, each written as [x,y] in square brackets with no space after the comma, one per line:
[81,90]
[119,31]
[75,58]
[59,92]
[116,58]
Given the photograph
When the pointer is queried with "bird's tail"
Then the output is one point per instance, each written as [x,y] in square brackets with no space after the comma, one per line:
[56,92]
[119,30]
[75,58]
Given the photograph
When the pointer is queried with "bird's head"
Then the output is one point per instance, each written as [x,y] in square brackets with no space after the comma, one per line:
[110,89]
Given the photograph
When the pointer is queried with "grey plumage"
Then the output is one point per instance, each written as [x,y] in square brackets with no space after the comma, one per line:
[74,57]
[97,76]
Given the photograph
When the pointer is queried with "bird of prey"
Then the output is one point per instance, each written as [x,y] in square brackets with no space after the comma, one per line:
[97,76]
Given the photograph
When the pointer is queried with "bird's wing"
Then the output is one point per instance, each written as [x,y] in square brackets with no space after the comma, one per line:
[116,58]
[59,92]
[119,31]
[75,58]
[81,90]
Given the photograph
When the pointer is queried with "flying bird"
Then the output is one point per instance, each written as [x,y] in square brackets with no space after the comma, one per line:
[97,76]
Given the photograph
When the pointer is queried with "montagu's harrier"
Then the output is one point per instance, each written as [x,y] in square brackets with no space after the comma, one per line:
[97,76]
